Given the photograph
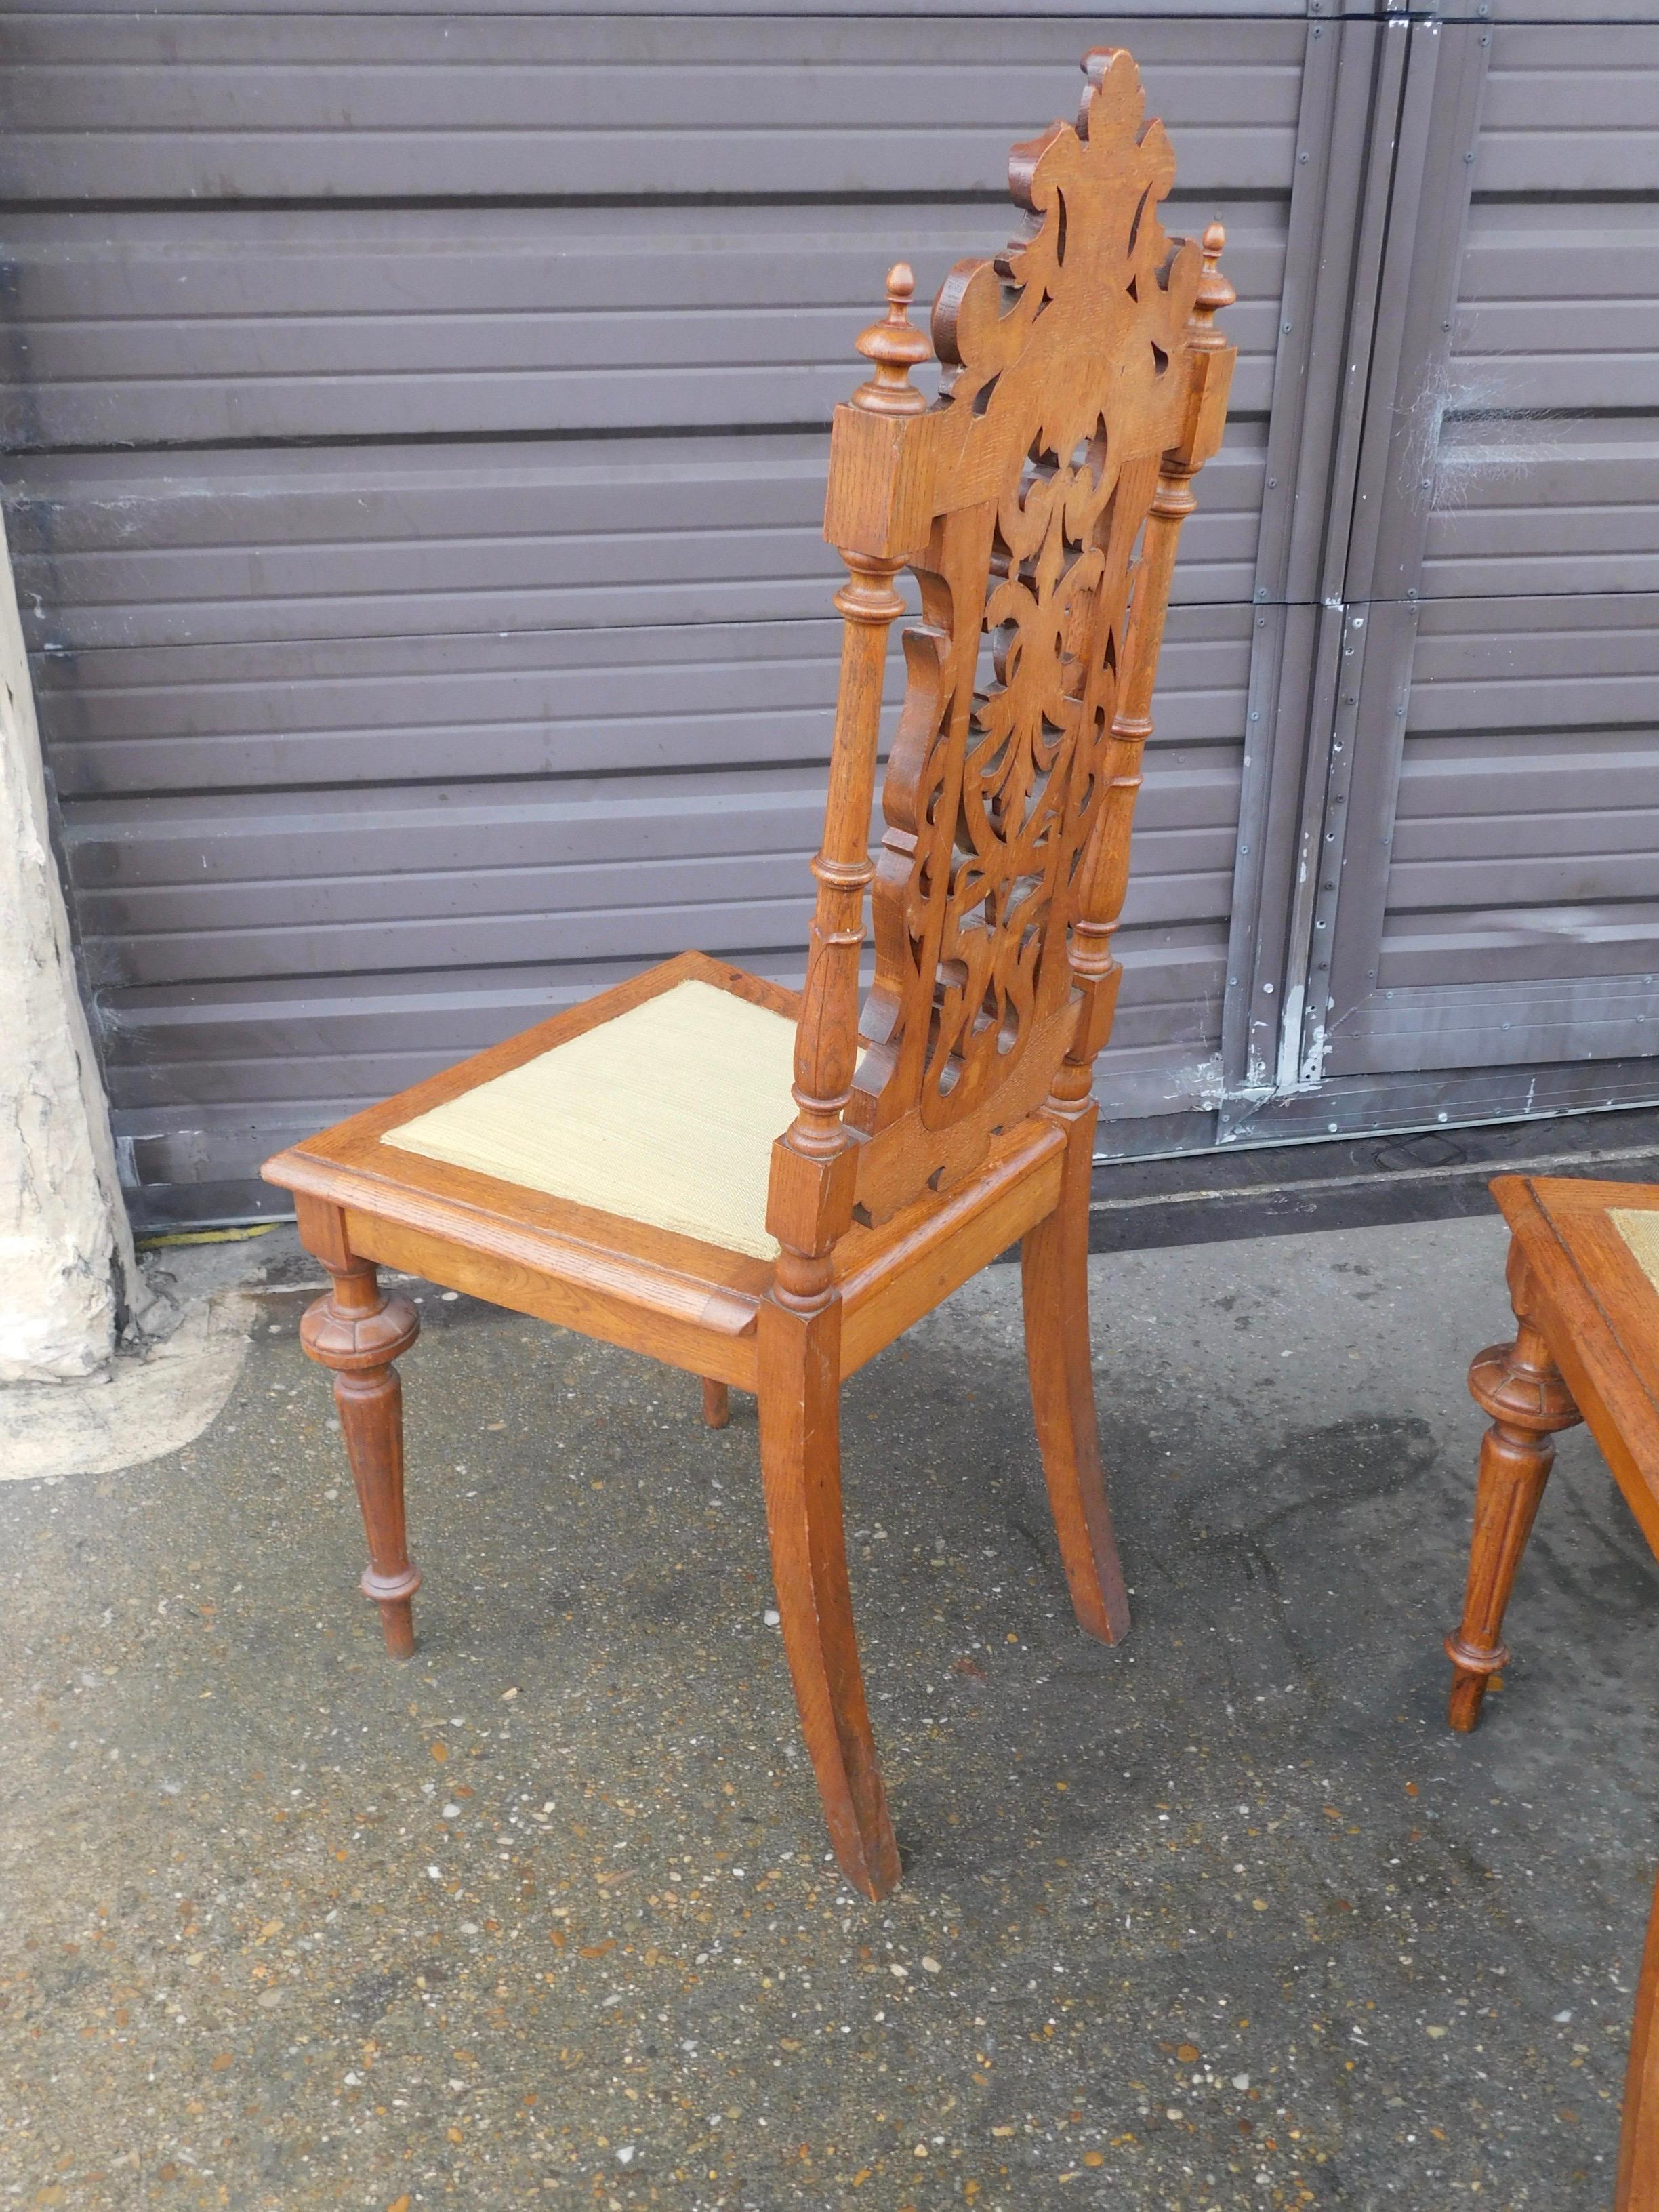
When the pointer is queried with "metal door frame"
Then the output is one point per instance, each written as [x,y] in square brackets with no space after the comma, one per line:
[1376,250]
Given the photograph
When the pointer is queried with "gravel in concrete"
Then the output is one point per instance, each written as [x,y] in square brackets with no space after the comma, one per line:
[1221,1917]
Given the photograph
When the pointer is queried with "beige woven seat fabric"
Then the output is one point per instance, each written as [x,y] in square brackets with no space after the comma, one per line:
[1641,1232]
[667,1114]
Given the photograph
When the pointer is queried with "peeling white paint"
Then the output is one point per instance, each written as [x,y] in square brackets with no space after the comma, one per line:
[1290,1035]
[67,1269]
[1313,1065]
[1203,1083]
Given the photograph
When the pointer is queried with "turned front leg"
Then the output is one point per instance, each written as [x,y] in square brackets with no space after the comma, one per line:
[357,1331]
[1521,1387]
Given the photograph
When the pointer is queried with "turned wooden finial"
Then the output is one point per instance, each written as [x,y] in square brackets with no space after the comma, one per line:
[896,348]
[1215,292]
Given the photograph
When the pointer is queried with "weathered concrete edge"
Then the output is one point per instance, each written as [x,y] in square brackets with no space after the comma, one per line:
[68,1274]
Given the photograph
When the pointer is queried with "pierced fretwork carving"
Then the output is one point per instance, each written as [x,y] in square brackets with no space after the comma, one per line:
[1038,503]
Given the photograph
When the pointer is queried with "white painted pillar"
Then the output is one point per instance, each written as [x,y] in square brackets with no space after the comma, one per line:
[67,1269]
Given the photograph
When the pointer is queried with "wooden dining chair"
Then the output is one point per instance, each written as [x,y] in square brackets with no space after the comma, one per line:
[764,1188]
[1583,1279]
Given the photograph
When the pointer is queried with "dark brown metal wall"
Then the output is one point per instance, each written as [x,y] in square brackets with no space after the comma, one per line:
[1521,914]
[1517,919]
[1448,910]
[416,433]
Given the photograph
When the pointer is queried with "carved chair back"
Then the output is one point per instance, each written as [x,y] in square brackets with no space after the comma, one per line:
[1038,503]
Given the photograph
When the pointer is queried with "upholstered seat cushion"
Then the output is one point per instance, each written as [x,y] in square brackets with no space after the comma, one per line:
[1641,1232]
[666,1114]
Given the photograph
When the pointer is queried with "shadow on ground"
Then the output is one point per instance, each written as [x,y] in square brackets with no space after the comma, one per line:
[1221,1917]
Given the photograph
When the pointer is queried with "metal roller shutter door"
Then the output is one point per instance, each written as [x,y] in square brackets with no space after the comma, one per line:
[373,746]
[1508,738]
[417,425]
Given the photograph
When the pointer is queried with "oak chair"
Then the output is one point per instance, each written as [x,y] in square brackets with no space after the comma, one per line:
[764,1188]
[1583,1279]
